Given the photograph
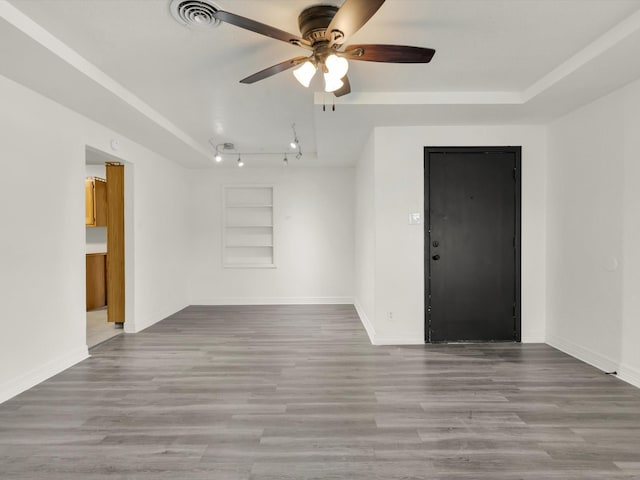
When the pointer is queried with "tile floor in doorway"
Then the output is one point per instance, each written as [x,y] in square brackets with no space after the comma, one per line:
[98,329]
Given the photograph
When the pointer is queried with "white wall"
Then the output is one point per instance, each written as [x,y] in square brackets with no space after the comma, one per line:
[399,247]
[593,260]
[42,282]
[365,237]
[313,238]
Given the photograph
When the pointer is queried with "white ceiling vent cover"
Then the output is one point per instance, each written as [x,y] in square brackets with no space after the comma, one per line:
[197,13]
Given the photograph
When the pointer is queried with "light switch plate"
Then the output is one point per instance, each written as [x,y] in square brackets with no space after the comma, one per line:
[415,218]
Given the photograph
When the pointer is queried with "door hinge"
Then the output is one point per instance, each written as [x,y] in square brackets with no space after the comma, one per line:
[514,174]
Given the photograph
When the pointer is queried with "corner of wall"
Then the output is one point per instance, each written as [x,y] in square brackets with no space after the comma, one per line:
[630,375]
[368,326]
[146,322]
[585,354]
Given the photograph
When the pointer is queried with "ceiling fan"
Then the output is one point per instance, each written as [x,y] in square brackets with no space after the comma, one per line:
[324,30]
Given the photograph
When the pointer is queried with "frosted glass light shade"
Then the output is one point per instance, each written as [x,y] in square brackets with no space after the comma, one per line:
[332,83]
[337,66]
[304,73]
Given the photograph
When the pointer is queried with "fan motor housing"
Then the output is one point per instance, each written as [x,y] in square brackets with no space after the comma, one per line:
[313,22]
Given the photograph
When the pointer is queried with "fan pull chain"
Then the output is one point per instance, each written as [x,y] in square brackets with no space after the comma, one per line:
[324,104]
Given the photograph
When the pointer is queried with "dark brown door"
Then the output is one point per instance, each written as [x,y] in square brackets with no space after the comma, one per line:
[472,244]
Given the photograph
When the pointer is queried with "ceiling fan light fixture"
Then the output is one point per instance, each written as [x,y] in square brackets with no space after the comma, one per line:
[337,66]
[218,158]
[332,82]
[305,73]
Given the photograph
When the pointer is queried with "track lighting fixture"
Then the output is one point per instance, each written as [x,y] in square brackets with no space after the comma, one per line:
[220,148]
[228,149]
[295,143]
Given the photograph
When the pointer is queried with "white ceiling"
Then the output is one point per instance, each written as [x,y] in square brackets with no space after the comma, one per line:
[173,88]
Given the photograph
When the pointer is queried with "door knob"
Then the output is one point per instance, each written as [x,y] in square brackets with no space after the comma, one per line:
[436,257]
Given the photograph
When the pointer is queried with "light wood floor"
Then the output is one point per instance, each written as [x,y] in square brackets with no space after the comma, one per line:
[278,393]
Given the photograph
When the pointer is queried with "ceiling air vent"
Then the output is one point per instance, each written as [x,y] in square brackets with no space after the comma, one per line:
[197,13]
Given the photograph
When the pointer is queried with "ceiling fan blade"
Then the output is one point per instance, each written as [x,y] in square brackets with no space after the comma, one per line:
[389,53]
[260,28]
[268,72]
[345,89]
[351,16]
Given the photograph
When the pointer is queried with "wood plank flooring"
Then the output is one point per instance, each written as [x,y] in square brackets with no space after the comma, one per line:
[297,392]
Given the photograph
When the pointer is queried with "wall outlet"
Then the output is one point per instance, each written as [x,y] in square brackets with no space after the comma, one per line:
[390,316]
[415,218]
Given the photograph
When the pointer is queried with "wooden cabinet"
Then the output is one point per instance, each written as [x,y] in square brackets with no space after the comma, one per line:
[96,280]
[95,195]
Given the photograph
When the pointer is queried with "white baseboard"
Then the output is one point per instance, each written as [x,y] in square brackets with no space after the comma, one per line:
[140,324]
[386,340]
[626,373]
[587,355]
[39,374]
[630,375]
[274,301]
[534,337]
[371,331]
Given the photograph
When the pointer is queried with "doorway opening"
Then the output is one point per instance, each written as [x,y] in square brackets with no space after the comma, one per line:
[105,247]
[472,244]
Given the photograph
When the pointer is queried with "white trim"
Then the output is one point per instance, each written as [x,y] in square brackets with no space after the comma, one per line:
[39,374]
[629,374]
[534,337]
[584,354]
[274,301]
[382,340]
[366,323]
[427,98]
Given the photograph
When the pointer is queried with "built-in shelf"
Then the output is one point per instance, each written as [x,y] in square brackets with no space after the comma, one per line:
[248,246]
[248,227]
[249,206]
